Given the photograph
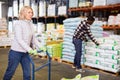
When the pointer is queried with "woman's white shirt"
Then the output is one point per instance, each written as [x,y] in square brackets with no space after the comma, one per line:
[24,36]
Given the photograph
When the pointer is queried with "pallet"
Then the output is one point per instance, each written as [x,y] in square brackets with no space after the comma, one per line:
[4,46]
[3,30]
[42,57]
[56,59]
[66,62]
[103,71]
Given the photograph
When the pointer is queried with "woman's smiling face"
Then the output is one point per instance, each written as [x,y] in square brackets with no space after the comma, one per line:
[28,14]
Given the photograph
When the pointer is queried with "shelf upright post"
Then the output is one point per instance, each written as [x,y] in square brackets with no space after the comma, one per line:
[37,1]
[67,5]
[46,7]
[9,16]
[55,14]
[91,12]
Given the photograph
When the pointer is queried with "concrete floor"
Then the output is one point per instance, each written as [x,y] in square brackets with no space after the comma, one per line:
[58,70]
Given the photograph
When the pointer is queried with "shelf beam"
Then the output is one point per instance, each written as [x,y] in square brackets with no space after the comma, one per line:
[108,7]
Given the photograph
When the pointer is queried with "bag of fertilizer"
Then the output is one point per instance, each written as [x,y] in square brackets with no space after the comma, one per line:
[93,77]
[77,77]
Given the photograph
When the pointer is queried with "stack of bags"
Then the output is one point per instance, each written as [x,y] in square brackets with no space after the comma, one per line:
[26,2]
[5,41]
[73,3]
[51,10]
[114,20]
[70,25]
[60,31]
[79,3]
[105,2]
[55,50]
[42,8]
[109,2]
[15,8]
[62,10]
[35,9]
[78,77]
[3,27]
[42,39]
[96,29]
[84,3]
[106,56]
[23,3]
[99,3]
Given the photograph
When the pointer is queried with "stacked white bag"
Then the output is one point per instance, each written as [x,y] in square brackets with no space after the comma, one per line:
[5,41]
[106,56]
[96,29]
[70,25]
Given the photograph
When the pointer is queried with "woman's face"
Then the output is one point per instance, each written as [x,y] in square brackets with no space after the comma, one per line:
[28,14]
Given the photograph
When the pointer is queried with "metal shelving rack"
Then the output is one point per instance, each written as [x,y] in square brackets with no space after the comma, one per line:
[45,19]
[54,18]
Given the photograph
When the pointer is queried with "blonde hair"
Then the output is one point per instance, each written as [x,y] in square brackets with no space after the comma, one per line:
[23,11]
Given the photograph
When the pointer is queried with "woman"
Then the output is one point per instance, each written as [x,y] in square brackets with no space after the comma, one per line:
[21,45]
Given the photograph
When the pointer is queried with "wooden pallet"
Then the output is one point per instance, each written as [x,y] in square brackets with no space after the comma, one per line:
[103,71]
[3,30]
[56,59]
[66,62]
[4,46]
[42,57]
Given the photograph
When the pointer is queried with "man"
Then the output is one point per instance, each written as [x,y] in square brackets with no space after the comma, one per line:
[81,34]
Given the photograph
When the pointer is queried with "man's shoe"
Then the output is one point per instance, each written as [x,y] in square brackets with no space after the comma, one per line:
[80,70]
[73,67]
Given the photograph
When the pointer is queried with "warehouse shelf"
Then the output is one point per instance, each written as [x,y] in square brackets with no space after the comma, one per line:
[108,7]
[111,7]
[115,28]
[80,9]
[111,27]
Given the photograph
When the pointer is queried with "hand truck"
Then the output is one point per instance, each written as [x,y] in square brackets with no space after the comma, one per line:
[37,69]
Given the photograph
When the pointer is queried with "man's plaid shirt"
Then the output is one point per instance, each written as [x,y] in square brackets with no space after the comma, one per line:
[82,31]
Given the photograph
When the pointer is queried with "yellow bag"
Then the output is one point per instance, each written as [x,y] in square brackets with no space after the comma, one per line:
[93,77]
[77,77]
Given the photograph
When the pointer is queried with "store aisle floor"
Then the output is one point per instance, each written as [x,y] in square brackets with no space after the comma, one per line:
[59,70]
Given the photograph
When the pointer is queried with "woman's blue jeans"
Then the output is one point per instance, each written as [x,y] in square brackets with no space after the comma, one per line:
[13,61]
[78,48]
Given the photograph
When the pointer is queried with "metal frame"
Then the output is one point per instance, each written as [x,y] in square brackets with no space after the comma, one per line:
[37,69]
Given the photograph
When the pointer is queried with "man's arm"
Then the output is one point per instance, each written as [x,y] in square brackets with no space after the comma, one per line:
[89,33]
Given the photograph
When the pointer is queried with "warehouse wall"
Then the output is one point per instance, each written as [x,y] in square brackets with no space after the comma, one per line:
[4,10]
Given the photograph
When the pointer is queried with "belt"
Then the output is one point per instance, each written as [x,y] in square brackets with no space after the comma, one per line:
[76,38]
